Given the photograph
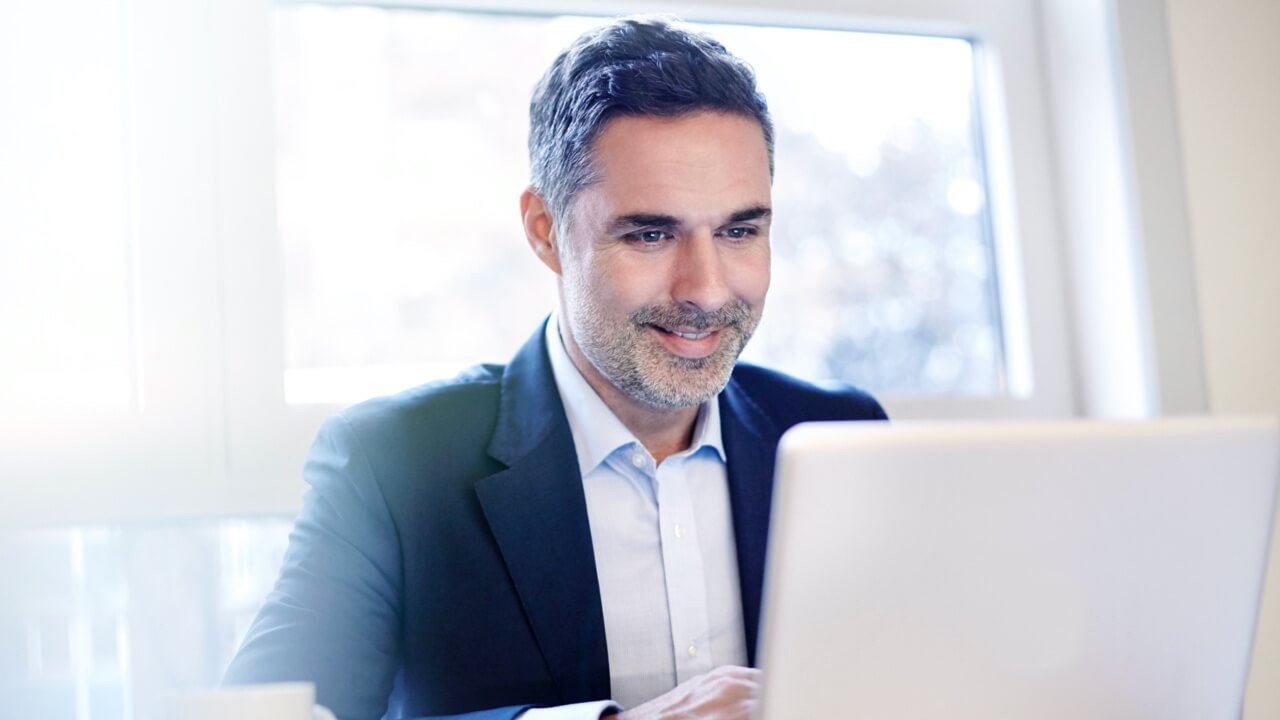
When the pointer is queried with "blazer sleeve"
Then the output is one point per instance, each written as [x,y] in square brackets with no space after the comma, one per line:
[333,618]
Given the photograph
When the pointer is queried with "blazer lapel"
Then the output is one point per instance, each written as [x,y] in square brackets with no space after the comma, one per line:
[538,514]
[750,445]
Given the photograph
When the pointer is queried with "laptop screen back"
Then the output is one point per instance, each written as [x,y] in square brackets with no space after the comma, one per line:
[1035,570]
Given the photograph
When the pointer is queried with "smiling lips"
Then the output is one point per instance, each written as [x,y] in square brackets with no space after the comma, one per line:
[687,342]
[689,335]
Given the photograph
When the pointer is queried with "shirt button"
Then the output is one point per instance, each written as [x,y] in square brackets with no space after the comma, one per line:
[679,533]
[637,460]
[693,650]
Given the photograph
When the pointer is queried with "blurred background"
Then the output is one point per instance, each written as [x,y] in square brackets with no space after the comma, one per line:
[223,220]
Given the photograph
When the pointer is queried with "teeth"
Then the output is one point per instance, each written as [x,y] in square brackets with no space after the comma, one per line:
[689,336]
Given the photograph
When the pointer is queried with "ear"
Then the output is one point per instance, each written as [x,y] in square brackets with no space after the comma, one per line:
[540,228]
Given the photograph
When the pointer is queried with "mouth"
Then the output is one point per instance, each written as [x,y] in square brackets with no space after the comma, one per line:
[686,334]
[687,342]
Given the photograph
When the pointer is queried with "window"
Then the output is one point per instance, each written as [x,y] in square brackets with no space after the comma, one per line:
[65,260]
[102,622]
[251,241]
[402,152]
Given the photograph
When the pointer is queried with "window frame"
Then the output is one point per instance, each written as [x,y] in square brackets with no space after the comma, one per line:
[1027,247]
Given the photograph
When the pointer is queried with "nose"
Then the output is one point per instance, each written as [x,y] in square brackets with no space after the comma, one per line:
[700,274]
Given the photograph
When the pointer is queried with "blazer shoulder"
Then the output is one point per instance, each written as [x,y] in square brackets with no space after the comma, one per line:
[440,417]
[791,400]
[428,399]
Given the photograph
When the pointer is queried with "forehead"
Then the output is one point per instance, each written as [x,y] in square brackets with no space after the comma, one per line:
[698,164]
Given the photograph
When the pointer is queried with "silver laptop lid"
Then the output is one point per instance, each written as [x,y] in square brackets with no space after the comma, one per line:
[1035,570]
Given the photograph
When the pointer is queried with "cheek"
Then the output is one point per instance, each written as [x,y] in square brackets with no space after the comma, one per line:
[628,286]
[599,290]
[750,279]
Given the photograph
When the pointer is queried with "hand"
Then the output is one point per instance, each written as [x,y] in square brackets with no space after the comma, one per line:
[726,693]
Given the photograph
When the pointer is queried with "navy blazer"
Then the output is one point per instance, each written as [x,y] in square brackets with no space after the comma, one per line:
[442,561]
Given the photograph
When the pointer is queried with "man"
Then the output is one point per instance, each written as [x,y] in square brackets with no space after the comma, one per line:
[582,531]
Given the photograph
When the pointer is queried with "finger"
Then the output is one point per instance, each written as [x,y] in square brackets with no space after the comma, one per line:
[738,670]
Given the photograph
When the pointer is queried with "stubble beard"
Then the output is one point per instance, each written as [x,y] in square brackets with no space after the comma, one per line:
[635,362]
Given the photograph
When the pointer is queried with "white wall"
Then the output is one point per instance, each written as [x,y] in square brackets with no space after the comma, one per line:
[1226,65]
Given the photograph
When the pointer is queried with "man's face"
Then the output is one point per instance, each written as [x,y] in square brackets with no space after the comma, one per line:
[665,260]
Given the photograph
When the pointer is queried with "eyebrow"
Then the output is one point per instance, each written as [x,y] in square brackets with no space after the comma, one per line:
[759,212]
[638,220]
[657,220]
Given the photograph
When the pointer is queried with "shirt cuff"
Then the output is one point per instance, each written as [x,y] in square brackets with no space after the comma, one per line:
[578,711]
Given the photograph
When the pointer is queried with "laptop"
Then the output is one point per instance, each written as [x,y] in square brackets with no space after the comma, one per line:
[1046,570]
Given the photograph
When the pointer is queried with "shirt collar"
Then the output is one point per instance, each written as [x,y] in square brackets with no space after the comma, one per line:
[596,431]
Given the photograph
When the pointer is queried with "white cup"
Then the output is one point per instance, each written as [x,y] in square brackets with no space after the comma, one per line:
[279,701]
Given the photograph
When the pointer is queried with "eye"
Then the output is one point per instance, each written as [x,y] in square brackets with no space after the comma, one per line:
[740,232]
[649,237]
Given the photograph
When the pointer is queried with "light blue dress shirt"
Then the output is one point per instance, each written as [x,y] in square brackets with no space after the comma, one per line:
[664,550]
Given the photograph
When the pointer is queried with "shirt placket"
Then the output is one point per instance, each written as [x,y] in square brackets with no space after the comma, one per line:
[682,566]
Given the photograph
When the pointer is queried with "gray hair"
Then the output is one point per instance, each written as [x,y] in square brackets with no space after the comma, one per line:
[631,67]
